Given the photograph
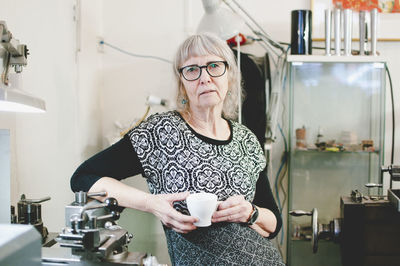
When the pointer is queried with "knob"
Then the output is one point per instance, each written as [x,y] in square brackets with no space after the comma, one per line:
[115,215]
[111,203]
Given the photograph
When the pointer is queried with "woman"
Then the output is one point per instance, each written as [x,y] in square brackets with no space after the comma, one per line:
[196,148]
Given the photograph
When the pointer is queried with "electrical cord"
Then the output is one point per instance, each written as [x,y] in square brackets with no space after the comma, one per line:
[281,173]
[141,56]
[393,114]
[279,177]
[135,55]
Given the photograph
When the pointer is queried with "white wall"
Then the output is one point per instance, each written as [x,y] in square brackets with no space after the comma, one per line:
[87,91]
[44,144]
[47,148]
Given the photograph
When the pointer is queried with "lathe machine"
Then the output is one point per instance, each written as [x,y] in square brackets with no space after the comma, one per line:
[368,230]
[90,236]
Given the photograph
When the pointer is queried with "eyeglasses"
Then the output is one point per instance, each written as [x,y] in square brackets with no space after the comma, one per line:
[214,69]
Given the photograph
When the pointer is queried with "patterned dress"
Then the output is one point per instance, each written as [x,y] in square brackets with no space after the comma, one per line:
[176,159]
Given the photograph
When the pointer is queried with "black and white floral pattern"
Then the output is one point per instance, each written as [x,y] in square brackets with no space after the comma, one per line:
[176,159]
[222,244]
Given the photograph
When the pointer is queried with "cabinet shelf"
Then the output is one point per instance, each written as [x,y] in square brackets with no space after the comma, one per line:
[335,152]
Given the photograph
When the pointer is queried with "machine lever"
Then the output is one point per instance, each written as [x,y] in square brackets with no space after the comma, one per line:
[113,215]
[95,194]
[23,198]
[81,196]
[300,213]
[370,185]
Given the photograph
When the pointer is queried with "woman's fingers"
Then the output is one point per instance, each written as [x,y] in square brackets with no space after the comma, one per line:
[179,226]
[178,219]
[176,196]
[232,214]
[233,209]
[231,201]
[172,218]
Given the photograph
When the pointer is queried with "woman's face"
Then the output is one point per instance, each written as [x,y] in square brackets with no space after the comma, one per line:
[206,91]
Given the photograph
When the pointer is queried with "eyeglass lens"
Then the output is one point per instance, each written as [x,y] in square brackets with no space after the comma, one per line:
[214,69]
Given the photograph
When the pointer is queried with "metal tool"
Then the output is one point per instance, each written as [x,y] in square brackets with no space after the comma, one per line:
[320,231]
[92,235]
[328,21]
[374,29]
[393,194]
[363,32]
[347,31]
[337,36]
[356,196]
[18,52]
[30,212]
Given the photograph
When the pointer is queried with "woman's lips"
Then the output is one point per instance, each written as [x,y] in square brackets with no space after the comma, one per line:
[207,91]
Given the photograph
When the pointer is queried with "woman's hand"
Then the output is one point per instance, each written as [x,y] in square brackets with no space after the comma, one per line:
[161,205]
[234,209]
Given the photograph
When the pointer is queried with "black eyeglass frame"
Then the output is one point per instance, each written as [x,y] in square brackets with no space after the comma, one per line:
[201,69]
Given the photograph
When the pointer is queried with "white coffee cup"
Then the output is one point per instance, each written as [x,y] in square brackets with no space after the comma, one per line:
[202,206]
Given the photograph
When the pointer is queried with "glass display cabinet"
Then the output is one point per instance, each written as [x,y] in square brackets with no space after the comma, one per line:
[336,141]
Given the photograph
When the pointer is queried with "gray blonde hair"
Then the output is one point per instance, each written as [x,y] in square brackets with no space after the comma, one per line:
[206,44]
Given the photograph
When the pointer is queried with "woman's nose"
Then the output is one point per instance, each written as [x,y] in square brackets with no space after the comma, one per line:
[205,77]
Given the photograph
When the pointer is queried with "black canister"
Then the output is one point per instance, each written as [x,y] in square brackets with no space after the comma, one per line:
[301,32]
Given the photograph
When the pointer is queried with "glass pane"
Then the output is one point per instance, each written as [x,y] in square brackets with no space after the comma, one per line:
[339,105]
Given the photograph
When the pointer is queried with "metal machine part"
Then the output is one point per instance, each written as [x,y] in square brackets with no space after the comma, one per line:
[17,53]
[394,172]
[374,28]
[370,232]
[393,194]
[367,230]
[356,196]
[347,31]
[394,198]
[30,212]
[92,236]
[13,215]
[338,38]
[363,39]
[81,202]
[319,231]
[328,30]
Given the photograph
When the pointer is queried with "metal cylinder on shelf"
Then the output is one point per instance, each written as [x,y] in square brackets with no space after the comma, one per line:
[374,27]
[363,32]
[337,36]
[347,31]
[328,19]
[301,42]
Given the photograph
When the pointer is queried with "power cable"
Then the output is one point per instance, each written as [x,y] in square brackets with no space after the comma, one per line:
[393,114]
[135,55]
